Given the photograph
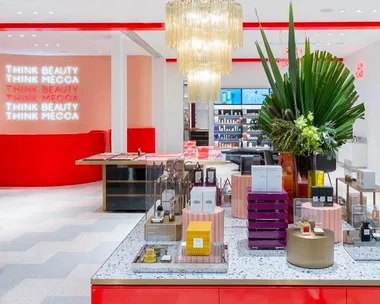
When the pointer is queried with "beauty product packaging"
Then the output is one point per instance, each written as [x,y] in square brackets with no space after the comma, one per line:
[365,232]
[366,179]
[319,231]
[165,231]
[274,178]
[198,239]
[259,178]
[315,194]
[211,176]
[329,202]
[209,199]
[198,176]
[196,197]
[305,227]
[168,197]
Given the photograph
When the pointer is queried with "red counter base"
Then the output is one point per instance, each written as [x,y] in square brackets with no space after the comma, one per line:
[233,295]
[44,160]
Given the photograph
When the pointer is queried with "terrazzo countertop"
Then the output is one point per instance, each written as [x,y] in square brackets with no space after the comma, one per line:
[246,267]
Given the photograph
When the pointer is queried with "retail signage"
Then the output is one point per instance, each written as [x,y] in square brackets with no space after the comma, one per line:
[41,93]
[359,74]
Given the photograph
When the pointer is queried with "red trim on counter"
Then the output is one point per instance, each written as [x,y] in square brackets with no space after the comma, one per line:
[160,26]
[235,60]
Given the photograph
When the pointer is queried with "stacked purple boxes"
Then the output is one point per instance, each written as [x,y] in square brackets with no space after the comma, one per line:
[267,219]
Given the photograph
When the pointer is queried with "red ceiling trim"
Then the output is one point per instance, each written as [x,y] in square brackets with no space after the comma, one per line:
[235,60]
[159,26]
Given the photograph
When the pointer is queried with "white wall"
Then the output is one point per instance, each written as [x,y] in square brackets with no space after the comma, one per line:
[244,75]
[369,91]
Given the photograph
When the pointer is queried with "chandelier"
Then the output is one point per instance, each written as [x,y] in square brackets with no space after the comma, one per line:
[203,33]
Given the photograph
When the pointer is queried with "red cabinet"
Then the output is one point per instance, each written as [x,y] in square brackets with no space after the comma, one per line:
[152,295]
[282,295]
[363,295]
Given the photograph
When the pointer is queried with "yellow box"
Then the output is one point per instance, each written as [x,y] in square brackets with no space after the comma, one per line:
[198,239]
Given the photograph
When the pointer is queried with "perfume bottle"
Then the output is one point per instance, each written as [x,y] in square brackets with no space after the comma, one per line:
[365,231]
[375,214]
[160,211]
[305,227]
[149,256]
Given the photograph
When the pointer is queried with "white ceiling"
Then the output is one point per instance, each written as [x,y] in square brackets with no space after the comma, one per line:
[154,10]
[96,43]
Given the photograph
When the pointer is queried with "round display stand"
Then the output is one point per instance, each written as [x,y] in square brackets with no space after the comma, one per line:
[239,185]
[325,217]
[217,219]
[311,251]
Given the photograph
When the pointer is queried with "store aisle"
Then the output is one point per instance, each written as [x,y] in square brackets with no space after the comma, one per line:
[52,240]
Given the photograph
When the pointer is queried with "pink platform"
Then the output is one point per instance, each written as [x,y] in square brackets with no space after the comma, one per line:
[239,184]
[217,219]
[325,217]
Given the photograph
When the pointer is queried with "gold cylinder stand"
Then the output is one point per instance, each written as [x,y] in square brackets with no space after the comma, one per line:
[311,251]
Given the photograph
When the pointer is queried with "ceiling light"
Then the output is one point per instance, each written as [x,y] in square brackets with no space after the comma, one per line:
[22,36]
[35,13]
[34,35]
[341,34]
[375,11]
[39,52]
[51,13]
[19,13]
[9,35]
[316,34]
[328,44]
[326,10]
[358,10]
[329,34]
[342,11]
[57,44]
[36,44]
[100,52]
[46,45]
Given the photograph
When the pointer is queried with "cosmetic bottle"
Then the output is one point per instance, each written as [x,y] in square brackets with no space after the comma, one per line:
[305,227]
[149,256]
[375,214]
[365,231]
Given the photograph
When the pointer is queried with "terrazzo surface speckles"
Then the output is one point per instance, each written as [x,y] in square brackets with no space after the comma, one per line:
[244,264]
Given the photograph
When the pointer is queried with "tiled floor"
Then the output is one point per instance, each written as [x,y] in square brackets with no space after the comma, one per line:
[53,240]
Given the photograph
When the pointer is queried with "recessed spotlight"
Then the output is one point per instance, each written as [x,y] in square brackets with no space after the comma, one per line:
[36,44]
[39,52]
[375,11]
[35,13]
[57,44]
[51,13]
[341,34]
[358,10]
[9,35]
[19,13]
[328,44]
[100,52]
[316,34]
[46,45]
[329,34]
[34,35]
[22,36]
[342,11]
[326,10]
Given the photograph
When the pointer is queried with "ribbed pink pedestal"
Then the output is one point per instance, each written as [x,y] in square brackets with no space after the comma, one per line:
[217,219]
[239,185]
[325,217]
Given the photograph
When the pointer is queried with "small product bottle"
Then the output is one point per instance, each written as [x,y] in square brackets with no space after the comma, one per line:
[305,227]
[365,231]
[149,256]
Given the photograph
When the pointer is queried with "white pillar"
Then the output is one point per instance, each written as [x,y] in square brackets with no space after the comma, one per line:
[211,124]
[158,101]
[119,94]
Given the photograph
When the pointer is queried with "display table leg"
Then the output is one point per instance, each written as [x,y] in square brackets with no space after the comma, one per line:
[104,188]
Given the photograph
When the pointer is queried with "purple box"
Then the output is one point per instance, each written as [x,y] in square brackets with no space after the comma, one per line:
[265,196]
[267,205]
[281,215]
[267,224]
[267,234]
[266,244]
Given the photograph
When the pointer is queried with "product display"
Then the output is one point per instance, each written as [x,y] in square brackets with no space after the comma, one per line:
[322,196]
[366,179]
[198,239]
[365,232]
[164,230]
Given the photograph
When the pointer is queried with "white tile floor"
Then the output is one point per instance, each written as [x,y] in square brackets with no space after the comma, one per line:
[52,240]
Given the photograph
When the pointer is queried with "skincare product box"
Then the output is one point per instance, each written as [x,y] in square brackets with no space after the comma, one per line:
[209,199]
[329,196]
[198,239]
[165,231]
[366,179]
[168,197]
[210,176]
[274,178]
[259,178]
[196,197]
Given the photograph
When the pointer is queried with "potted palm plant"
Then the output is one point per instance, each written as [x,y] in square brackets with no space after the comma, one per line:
[313,106]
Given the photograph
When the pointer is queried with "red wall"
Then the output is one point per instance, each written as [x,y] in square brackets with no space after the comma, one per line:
[94,94]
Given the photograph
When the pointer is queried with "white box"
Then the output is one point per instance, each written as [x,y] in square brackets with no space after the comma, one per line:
[259,178]
[168,197]
[366,179]
[209,199]
[274,178]
[196,198]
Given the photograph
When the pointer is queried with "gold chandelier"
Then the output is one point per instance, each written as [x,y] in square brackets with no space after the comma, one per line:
[204,33]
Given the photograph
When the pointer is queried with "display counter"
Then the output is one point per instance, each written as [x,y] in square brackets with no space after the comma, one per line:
[126,184]
[261,276]
[45,160]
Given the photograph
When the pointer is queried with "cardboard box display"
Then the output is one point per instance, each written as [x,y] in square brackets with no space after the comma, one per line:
[259,178]
[366,179]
